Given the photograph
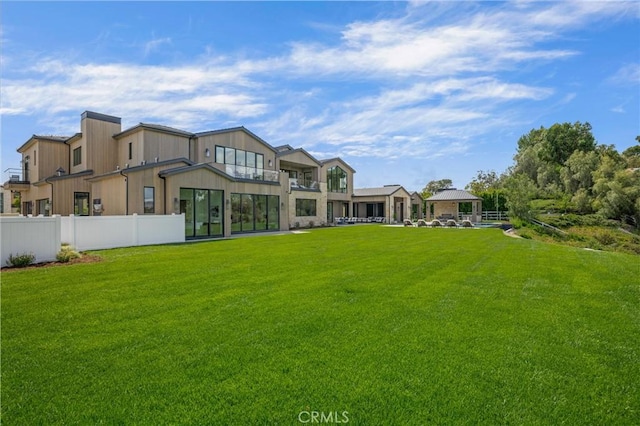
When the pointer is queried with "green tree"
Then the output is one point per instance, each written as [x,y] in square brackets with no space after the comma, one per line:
[561,140]
[434,186]
[578,171]
[520,190]
[632,155]
[484,181]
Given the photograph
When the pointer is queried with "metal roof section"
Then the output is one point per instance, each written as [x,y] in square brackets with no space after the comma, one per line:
[453,195]
[193,167]
[340,160]
[283,154]
[101,117]
[154,127]
[66,176]
[372,192]
[145,166]
[43,138]
[237,129]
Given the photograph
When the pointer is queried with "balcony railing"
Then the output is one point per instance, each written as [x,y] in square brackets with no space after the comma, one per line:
[302,184]
[243,172]
[14,175]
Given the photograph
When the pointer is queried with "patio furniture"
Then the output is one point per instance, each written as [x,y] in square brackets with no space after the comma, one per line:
[435,223]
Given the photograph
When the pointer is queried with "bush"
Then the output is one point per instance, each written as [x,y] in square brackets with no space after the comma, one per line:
[605,238]
[21,260]
[66,254]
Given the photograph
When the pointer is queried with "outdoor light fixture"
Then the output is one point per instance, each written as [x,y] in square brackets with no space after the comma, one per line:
[207,153]
[270,163]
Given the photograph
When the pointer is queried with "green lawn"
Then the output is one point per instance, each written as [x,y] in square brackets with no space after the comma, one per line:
[392,325]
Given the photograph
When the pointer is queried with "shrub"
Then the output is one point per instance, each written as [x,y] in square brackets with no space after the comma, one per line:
[66,254]
[21,260]
[311,224]
[605,238]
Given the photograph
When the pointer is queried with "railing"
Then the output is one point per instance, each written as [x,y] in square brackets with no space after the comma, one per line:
[546,225]
[494,215]
[13,175]
[243,172]
[296,184]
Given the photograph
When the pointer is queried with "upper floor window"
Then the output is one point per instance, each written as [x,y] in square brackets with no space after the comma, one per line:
[77,156]
[336,180]
[239,157]
[130,150]
[35,157]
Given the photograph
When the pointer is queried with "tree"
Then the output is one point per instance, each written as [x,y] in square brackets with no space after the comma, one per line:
[632,155]
[561,140]
[484,181]
[578,171]
[434,186]
[520,190]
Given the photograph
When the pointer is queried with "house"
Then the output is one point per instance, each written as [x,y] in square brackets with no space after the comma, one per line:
[224,181]
[391,202]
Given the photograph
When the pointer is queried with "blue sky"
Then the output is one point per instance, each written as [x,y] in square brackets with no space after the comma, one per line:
[405,92]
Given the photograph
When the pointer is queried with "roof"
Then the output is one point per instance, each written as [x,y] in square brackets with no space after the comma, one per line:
[453,195]
[237,129]
[371,192]
[44,138]
[146,165]
[282,154]
[340,160]
[156,127]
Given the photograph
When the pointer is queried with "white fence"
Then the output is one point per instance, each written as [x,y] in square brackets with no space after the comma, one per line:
[37,235]
[103,232]
[42,236]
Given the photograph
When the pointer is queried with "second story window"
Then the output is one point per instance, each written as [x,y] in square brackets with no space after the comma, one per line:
[130,150]
[336,180]
[239,157]
[77,156]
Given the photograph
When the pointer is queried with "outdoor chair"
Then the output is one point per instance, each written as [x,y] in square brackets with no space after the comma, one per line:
[451,223]
[407,222]
[422,222]
[467,224]
[436,223]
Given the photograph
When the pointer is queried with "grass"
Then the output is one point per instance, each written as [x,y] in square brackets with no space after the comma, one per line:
[392,325]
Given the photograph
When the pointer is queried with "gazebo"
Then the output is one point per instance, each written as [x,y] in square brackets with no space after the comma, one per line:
[446,205]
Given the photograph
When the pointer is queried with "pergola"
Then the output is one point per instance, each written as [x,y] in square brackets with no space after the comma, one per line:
[446,205]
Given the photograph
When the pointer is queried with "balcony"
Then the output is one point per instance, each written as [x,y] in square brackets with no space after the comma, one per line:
[305,185]
[14,181]
[251,173]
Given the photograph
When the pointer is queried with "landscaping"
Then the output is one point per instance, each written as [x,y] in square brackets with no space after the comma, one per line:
[389,325]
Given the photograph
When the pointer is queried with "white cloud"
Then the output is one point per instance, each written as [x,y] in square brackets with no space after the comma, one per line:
[432,86]
[627,75]
[155,44]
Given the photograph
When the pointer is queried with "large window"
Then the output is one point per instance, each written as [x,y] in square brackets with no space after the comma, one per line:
[336,180]
[251,212]
[149,199]
[203,211]
[81,203]
[239,157]
[305,207]
[77,156]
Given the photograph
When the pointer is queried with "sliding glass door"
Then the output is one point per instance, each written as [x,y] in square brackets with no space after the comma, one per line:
[203,212]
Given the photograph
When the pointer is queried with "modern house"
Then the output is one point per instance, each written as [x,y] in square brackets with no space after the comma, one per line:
[224,181]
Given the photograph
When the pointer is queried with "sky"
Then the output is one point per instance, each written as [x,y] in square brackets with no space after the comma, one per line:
[404,92]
